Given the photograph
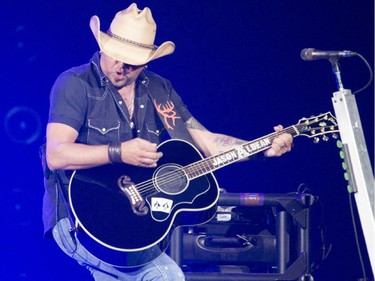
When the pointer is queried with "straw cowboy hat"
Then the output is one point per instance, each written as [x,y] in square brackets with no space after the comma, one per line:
[130,38]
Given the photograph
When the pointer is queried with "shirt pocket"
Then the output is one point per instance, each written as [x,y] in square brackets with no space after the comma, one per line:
[103,131]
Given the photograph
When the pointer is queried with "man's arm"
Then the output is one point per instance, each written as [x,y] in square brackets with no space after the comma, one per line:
[64,153]
[212,143]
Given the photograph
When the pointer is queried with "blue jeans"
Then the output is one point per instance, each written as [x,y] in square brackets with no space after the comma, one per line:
[163,268]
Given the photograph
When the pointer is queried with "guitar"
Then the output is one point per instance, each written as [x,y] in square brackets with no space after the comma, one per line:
[125,214]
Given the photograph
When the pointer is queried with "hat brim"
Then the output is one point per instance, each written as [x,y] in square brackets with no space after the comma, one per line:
[127,52]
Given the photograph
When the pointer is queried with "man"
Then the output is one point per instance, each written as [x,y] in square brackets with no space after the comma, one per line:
[112,110]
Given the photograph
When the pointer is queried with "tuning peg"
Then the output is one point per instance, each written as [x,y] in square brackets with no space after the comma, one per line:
[316,140]
[325,138]
[335,136]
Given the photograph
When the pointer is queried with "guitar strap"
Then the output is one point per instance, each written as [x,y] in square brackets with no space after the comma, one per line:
[167,112]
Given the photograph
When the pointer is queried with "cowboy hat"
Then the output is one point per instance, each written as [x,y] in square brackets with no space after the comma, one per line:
[130,38]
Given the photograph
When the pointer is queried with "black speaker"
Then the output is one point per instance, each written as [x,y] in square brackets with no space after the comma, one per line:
[251,237]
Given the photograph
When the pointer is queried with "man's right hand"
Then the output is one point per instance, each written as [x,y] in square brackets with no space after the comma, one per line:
[140,152]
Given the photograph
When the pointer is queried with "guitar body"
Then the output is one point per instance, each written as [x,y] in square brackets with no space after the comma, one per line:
[122,234]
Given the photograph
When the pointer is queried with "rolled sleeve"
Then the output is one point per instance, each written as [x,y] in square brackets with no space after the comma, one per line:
[68,101]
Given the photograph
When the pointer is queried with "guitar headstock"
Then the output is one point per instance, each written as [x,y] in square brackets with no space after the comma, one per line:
[320,125]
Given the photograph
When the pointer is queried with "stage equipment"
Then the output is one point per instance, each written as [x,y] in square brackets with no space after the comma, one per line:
[253,236]
[357,165]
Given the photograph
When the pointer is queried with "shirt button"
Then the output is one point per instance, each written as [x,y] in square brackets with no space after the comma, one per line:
[138,131]
[103,129]
[142,106]
[120,102]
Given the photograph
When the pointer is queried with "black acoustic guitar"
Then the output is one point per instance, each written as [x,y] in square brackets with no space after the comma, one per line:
[125,214]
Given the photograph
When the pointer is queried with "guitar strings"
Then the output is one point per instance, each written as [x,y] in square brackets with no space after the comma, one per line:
[147,188]
[204,166]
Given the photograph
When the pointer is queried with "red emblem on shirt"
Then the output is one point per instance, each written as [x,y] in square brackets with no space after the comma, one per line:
[168,113]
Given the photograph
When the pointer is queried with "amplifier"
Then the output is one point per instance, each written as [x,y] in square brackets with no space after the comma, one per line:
[234,236]
[260,235]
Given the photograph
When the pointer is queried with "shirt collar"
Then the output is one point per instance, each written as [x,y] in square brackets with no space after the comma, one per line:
[95,65]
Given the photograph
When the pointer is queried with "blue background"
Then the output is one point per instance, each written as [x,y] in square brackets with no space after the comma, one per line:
[237,66]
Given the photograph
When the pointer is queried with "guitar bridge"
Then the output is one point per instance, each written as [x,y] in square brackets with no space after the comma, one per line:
[136,200]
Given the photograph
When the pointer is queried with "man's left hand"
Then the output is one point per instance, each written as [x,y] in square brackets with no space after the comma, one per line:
[281,144]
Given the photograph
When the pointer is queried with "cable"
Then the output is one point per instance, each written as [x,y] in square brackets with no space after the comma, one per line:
[370,72]
[356,236]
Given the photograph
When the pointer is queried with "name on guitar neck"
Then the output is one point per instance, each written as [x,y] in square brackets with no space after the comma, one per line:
[240,152]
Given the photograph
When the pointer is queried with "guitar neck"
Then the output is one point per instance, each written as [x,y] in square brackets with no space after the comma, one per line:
[233,155]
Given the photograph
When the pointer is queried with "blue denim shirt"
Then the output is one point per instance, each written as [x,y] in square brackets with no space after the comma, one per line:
[83,98]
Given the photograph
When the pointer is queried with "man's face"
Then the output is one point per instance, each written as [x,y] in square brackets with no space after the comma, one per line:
[119,73]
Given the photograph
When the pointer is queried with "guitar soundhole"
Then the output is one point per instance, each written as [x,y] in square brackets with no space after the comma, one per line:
[171,179]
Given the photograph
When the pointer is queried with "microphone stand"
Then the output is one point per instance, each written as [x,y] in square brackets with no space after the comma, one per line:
[336,71]
[358,168]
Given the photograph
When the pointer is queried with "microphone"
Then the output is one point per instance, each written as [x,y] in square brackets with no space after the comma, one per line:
[312,54]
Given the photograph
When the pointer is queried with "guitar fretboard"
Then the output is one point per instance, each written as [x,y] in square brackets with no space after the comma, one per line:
[213,163]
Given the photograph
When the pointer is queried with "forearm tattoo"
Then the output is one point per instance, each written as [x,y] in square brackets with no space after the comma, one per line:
[193,123]
[222,142]
[225,142]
